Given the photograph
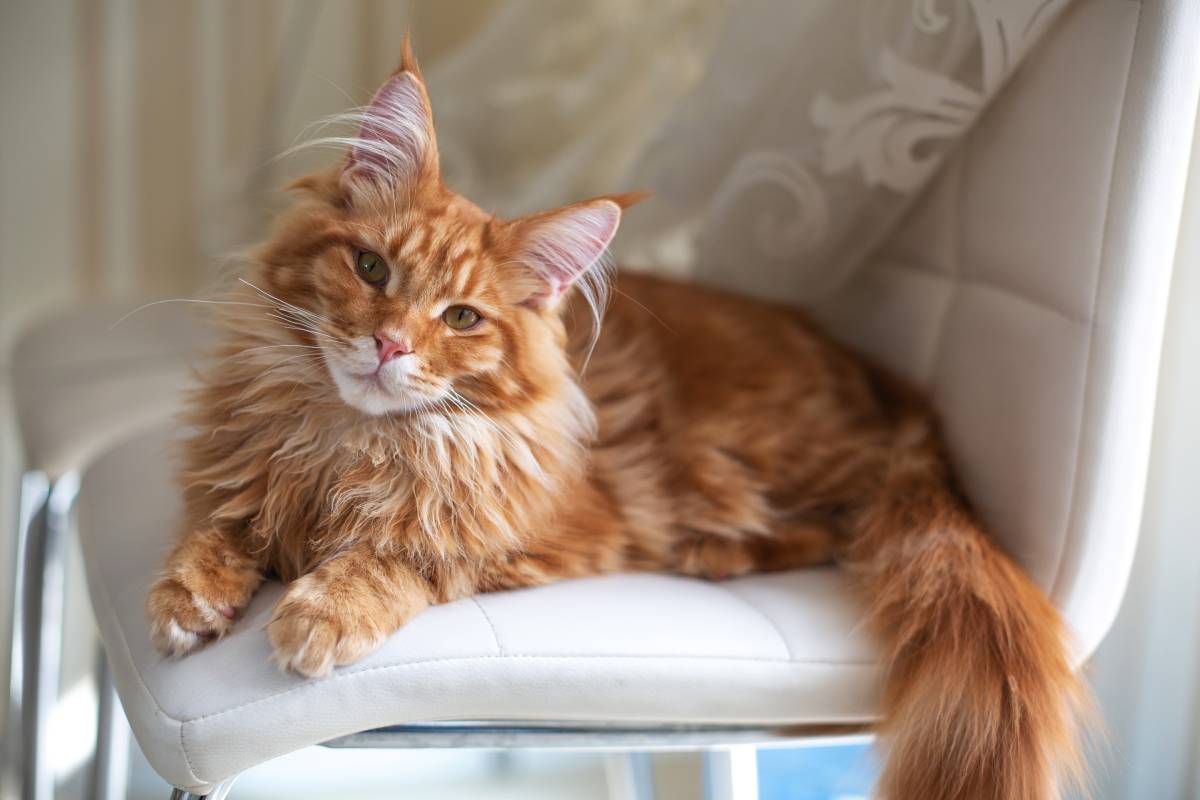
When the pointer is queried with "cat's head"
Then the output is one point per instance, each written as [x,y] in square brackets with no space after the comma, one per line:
[417,298]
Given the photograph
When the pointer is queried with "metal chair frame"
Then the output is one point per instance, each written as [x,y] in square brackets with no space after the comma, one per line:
[35,656]
[730,751]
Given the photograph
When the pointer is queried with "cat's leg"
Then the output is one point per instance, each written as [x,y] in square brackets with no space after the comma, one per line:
[207,580]
[344,609]
[713,557]
[791,545]
[794,544]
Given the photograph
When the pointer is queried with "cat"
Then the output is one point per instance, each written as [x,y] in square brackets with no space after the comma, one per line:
[400,415]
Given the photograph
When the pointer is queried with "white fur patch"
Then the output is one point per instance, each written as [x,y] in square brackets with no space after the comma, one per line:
[206,609]
[377,390]
[291,662]
[180,640]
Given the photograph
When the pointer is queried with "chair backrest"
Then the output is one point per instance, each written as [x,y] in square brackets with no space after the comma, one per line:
[1027,292]
[93,374]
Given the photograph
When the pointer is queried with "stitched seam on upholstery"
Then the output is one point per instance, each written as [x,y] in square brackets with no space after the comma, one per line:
[187,758]
[466,659]
[770,620]
[939,341]
[1091,348]
[984,283]
[495,635]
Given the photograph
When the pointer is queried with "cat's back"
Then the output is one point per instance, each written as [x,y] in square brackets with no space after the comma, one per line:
[712,369]
[715,411]
[715,350]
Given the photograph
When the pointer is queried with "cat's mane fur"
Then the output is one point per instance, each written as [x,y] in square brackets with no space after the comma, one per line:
[446,457]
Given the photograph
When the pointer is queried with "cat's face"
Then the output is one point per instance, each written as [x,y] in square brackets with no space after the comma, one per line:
[419,299]
[431,306]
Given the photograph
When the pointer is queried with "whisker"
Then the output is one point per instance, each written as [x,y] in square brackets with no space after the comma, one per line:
[644,308]
[305,331]
[475,412]
[185,300]
[308,371]
[276,347]
[286,304]
[296,325]
[302,379]
[284,316]
[290,314]
[290,359]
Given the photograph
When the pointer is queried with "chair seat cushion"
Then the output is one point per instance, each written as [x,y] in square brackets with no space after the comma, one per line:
[780,648]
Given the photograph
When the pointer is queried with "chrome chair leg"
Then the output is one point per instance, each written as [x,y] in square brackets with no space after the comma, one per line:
[110,767]
[731,773]
[35,491]
[629,775]
[218,792]
[45,575]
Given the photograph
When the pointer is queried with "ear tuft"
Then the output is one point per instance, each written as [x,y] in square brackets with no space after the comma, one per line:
[562,245]
[408,59]
[627,199]
[395,141]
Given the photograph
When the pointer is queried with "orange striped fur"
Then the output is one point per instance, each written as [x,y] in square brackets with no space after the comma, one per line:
[709,435]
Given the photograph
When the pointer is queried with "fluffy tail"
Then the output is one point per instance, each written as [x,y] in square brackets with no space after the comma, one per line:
[980,702]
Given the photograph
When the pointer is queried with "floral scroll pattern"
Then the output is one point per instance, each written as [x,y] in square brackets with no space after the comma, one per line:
[882,132]
[799,215]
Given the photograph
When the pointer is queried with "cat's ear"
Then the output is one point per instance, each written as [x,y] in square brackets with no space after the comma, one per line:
[395,142]
[559,247]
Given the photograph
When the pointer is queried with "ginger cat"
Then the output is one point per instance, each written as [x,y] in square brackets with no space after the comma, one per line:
[404,420]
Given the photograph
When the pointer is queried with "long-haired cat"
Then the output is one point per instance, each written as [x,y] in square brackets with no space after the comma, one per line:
[405,420]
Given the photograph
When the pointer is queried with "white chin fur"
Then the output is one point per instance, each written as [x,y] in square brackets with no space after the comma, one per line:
[389,392]
[374,396]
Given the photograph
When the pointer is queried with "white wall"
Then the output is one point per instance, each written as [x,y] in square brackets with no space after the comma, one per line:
[1147,672]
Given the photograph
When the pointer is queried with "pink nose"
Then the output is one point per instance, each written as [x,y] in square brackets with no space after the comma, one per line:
[388,348]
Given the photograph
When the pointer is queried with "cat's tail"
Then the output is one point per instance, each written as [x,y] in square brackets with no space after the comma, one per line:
[980,701]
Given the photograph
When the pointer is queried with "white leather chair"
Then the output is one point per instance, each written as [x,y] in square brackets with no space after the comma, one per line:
[1026,291]
[81,383]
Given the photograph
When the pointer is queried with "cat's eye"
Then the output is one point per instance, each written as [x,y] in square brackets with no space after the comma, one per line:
[461,318]
[371,268]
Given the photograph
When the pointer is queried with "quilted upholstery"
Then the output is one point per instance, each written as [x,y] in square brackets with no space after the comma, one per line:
[1027,292]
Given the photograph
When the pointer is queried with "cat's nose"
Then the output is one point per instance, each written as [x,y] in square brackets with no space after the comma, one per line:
[389,347]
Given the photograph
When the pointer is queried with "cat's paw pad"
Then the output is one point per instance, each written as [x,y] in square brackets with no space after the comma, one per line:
[182,620]
[310,637]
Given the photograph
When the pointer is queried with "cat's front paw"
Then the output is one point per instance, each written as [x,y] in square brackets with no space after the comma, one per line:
[182,620]
[310,634]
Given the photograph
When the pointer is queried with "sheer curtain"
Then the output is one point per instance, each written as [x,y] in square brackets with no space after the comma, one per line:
[782,140]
